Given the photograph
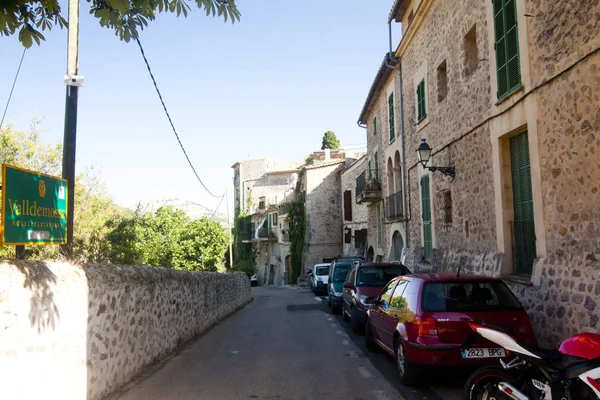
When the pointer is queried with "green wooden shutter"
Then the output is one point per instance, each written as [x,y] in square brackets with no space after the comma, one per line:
[507,46]
[374,126]
[391,116]
[379,235]
[370,171]
[376,165]
[523,228]
[421,109]
[426,210]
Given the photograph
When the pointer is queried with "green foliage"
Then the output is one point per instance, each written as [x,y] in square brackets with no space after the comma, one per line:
[296,219]
[309,160]
[124,17]
[330,141]
[242,230]
[246,266]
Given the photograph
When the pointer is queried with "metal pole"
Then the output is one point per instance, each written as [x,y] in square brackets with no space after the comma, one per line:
[20,252]
[70,135]
[229,231]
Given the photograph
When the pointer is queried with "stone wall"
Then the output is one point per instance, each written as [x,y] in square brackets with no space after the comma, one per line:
[81,332]
[323,236]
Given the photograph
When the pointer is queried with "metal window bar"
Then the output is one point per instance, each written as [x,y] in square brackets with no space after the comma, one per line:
[523,246]
[394,205]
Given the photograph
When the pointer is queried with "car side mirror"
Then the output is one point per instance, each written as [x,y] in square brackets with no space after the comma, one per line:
[309,272]
[348,285]
[369,300]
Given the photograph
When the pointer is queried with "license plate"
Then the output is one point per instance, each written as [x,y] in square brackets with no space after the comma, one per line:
[483,353]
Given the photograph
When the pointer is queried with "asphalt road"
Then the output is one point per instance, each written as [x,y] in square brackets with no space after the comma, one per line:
[283,345]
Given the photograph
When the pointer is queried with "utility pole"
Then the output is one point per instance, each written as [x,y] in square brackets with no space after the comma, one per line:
[73,82]
[229,230]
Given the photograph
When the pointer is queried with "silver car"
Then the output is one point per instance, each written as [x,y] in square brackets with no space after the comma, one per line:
[319,275]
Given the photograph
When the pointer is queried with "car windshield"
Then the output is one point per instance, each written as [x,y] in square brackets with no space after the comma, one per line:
[378,276]
[322,270]
[465,296]
[339,275]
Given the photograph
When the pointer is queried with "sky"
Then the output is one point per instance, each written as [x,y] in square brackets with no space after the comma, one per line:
[268,85]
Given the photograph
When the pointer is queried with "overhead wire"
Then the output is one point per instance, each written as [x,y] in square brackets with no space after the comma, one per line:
[171,121]
[218,205]
[13,87]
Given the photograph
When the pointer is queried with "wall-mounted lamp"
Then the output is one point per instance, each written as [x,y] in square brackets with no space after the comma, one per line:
[424,152]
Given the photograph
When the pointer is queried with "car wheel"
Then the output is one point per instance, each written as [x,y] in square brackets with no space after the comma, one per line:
[345,316]
[357,327]
[369,340]
[406,370]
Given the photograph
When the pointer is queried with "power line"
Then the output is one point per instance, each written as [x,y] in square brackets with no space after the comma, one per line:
[171,122]
[216,209]
[13,87]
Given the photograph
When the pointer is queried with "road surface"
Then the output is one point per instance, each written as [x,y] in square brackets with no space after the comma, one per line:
[283,345]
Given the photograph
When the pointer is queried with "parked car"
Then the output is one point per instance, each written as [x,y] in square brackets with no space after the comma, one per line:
[364,283]
[335,284]
[254,280]
[423,320]
[319,275]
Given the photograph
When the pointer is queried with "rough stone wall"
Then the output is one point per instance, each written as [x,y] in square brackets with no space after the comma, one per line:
[80,332]
[359,211]
[323,237]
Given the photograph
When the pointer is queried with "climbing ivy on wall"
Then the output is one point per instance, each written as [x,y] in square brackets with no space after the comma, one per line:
[296,219]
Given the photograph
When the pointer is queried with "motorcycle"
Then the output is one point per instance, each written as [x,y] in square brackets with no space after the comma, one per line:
[570,373]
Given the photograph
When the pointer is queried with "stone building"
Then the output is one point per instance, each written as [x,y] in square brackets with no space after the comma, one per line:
[507,93]
[354,215]
[261,188]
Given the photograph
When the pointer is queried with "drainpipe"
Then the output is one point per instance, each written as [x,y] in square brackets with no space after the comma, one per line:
[402,141]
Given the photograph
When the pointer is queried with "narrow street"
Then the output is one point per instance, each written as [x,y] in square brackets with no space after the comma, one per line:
[283,345]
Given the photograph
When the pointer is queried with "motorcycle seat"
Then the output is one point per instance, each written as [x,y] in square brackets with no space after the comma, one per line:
[547,354]
[567,361]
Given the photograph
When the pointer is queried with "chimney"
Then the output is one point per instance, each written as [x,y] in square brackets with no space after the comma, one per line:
[327,154]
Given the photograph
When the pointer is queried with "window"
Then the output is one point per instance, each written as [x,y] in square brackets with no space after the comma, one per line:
[391,116]
[442,81]
[470,46]
[374,126]
[360,238]
[468,296]
[376,166]
[273,219]
[426,211]
[386,293]
[370,171]
[348,205]
[421,109]
[379,238]
[378,277]
[348,235]
[261,203]
[398,301]
[351,275]
[447,207]
[507,47]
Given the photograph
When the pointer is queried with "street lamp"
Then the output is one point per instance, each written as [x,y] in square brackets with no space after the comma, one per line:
[424,152]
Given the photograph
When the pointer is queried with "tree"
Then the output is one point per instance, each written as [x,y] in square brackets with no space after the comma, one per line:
[125,17]
[330,141]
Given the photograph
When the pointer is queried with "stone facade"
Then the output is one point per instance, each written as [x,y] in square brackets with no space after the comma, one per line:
[359,212]
[451,49]
[321,184]
[81,332]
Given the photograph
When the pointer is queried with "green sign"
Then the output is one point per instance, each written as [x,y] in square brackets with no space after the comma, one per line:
[34,208]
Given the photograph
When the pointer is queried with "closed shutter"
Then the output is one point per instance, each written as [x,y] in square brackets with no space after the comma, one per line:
[376,166]
[426,210]
[507,46]
[379,233]
[348,236]
[391,116]
[421,109]
[347,205]
[523,227]
[374,126]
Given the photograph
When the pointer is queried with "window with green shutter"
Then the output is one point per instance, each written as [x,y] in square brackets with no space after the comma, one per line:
[426,213]
[421,105]
[379,234]
[507,46]
[391,116]
[376,165]
[523,225]
[374,126]
[370,171]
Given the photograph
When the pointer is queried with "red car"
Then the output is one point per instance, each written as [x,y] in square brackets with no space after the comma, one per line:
[423,320]
[363,284]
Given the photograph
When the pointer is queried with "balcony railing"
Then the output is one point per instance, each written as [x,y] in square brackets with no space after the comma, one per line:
[368,187]
[266,232]
[394,206]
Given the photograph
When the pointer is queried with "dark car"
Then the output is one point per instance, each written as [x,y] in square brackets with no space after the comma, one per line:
[337,276]
[364,283]
[423,320]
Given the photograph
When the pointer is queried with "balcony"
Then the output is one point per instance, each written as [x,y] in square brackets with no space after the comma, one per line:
[368,187]
[266,232]
[394,206]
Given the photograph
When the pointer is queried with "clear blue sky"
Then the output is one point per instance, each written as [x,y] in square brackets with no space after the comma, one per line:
[268,85]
